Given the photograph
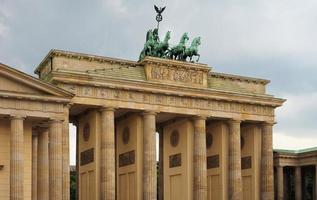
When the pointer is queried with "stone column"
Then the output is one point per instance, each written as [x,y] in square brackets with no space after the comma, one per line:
[66,173]
[149,156]
[43,165]
[200,160]
[34,166]
[267,177]
[76,123]
[298,183]
[280,183]
[16,159]
[161,161]
[235,178]
[108,166]
[55,160]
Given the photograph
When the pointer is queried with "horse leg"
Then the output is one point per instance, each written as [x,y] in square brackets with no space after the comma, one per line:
[198,57]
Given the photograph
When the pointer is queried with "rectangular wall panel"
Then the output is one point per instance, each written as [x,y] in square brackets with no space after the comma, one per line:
[247,188]
[214,189]
[175,187]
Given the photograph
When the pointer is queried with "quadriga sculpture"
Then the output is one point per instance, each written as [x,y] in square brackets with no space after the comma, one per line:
[156,48]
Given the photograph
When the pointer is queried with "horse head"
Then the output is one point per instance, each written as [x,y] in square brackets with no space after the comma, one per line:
[167,36]
[196,41]
[184,38]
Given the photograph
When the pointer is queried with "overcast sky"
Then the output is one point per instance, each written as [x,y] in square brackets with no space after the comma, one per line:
[271,39]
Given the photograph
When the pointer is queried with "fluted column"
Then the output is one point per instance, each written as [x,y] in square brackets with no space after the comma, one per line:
[298,183]
[235,178]
[161,166]
[200,168]
[108,187]
[16,159]
[66,170]
[149,156]
[34,166]
[55,160]
[43,165]
[280,183]
[267,177]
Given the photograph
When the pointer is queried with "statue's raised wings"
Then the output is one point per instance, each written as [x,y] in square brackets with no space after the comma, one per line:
[159,10]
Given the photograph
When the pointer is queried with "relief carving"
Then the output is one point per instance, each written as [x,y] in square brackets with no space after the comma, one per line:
[177,75]
[127,158]
[87,157]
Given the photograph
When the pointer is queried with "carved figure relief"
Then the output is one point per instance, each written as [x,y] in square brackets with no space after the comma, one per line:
[86,132]
[174,138]
[126,135]
[209,140]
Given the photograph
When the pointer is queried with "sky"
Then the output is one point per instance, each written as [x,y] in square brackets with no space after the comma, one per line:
[270,39]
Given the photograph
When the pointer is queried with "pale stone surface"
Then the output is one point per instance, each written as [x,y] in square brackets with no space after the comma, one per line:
[267,176]
[16,159]
[43,165]
[171,88]
[200,169]
[149,157]
[235,179]
[55,160]
[161,161]
[107,154]
[66,164]
[298,183]
[280,183]
[34,166]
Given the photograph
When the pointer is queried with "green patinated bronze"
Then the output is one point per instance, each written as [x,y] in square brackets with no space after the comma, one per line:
[156,48]
[161,49]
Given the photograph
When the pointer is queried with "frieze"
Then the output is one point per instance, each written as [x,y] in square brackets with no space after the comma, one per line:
[31,105]
[177,75]
[168,100]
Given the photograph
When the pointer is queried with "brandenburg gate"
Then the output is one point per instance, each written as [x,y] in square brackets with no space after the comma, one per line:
[214,130]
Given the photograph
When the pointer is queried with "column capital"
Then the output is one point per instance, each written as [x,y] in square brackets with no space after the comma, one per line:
[149,112]
[55,120]
[234,120]
[69,105]
[200,117]
[22,117]
[107,108]
[268,123]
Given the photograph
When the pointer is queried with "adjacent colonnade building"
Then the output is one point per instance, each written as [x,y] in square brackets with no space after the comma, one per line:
[215,131]
[295,174]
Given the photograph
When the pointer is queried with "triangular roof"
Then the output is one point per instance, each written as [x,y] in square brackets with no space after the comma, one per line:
[14,82]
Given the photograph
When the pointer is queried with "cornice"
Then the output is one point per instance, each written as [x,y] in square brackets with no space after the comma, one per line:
[238,78]
[33,82]
[205,93]
[175,63]
[34,97]
[82,56]
[148,60]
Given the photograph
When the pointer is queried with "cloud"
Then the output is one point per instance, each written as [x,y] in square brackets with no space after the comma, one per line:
[297,117]
[284,141]
[116,6]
